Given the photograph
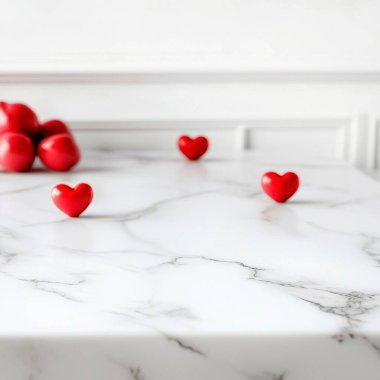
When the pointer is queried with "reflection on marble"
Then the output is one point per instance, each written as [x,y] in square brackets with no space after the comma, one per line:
[186,270]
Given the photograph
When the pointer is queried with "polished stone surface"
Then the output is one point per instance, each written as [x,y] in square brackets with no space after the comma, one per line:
[186,270]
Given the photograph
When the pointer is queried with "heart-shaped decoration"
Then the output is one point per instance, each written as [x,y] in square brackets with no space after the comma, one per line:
[16,152]
[18,117]
[280,187]
[51,128]
[72,201]
[193,149]
[58,152]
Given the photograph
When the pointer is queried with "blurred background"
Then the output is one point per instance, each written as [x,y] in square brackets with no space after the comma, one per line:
[251,74]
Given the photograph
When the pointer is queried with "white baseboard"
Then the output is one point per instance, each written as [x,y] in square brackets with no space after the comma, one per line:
[340,138]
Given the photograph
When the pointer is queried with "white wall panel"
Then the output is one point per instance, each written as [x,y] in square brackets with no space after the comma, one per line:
[321,116]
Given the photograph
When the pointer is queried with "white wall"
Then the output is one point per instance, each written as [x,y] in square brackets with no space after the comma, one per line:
[189,34]
[271,74]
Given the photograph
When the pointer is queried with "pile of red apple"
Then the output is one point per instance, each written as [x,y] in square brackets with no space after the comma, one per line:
[22,137]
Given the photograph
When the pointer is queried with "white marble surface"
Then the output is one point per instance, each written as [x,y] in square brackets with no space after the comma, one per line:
[186,270]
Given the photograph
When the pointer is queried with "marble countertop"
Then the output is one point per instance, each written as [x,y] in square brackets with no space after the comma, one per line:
[188,265]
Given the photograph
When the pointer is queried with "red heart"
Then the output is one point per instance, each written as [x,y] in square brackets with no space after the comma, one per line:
[16,152]
[52,127]
[18,117]
[280,188]
[193,148]
[72,201]
[58,152]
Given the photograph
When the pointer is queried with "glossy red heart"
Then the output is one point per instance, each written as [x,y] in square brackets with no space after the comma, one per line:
[16,152]
[52,127]
[72,201]
[193,148]
[58,152]
[18,117]
[280,187]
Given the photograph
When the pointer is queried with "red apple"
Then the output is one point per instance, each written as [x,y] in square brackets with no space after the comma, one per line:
[18,118]
[52,127]
[58,152]
[16,152]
